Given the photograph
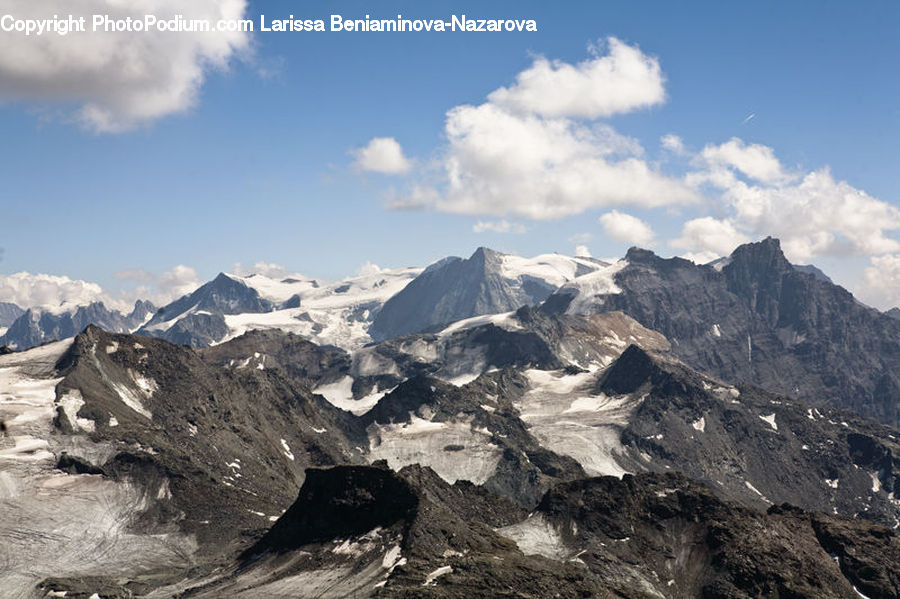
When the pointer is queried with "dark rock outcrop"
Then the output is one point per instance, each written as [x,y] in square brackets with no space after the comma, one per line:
[756,318]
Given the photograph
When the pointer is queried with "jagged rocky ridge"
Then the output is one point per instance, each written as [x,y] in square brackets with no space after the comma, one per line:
[755,318]
[35,327]
[516,404]
[223,435]
[367,531]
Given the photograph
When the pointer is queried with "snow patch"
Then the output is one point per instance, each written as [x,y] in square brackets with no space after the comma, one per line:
[699,425]
[562,414]
[70,403]
[287,450]
[770,420]
[340,395]
[588,289]
[876,482]
[536,536]
[431,579]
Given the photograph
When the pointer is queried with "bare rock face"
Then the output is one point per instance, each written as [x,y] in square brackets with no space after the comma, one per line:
[370,532]
[473,469]
[690,543]
[454,289]
[755,318]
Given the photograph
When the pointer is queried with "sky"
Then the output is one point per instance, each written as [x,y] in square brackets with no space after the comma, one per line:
[145,163]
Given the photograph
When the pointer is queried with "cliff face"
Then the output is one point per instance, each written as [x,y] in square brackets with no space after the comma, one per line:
[755,318]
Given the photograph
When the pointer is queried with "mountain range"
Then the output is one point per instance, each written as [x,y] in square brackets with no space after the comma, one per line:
[486,427]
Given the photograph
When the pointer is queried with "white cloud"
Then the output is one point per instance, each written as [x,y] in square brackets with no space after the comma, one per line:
[673,143]
[117,81]
[880,284]
[368,269]
[58,294]
[627,228]
[382,155]
[47,292]
[529,152]
[500,163]
[582,251]
[708,238]
[158,288]
[812,213]
[267,269]
[499,226]
[623,80]
[753,160]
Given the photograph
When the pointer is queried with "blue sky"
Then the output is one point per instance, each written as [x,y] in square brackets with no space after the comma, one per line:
[259,166]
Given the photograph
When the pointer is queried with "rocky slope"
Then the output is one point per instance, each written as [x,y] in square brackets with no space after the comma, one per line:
[755,318]
[486,283]
[369,532]
[135,466]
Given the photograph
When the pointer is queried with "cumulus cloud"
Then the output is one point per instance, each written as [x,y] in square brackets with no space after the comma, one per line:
[47,292]
[753,160]
[880,283]
[708,238]
[500,163]
[673,143]
[369,270]
[812,213]
[582,251]
[120,80]
[627,228]
[382,155]
[158,288]
[498,226]
[533,150]
[621,81]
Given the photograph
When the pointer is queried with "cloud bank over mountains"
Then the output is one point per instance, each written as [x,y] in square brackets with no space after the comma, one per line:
[56,294]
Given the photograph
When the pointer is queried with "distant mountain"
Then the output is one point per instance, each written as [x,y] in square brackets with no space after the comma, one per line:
[34,327]
[754,317]
[9,313]
[337,313]
[488,282]
[894,313]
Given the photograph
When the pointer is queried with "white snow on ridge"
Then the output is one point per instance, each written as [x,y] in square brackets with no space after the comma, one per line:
[276,290]
[329,314]
[555,269]
[587,287]
[505,320]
